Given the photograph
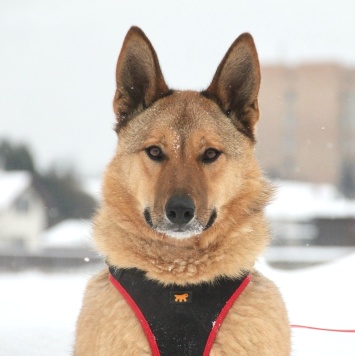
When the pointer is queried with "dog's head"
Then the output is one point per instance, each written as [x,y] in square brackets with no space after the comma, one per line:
[184,163]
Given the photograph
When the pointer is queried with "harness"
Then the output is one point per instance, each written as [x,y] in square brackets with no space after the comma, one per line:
[178,320]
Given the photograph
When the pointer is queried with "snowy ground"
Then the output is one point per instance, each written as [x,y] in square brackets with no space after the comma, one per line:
[38,310]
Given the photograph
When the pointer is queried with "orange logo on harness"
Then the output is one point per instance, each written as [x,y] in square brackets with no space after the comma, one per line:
[181,297]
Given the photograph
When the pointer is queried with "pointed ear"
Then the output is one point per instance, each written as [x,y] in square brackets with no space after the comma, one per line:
[138,76]
[235,85]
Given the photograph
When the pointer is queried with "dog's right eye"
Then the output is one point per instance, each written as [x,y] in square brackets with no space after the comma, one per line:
[210,155]
[155,153]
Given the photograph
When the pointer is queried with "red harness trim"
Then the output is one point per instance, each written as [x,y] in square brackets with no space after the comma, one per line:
[223,314]
[148,332]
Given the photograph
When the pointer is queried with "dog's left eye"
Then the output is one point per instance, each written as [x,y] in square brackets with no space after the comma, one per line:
[155,153]
[210,155]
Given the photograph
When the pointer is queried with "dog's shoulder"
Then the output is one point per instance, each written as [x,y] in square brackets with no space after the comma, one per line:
[102,308]
[263,290]
[262,303]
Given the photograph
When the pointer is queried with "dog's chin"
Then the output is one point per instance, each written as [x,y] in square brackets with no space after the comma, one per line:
[179,232]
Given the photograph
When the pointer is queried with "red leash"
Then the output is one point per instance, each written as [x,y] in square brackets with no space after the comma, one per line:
[323,329]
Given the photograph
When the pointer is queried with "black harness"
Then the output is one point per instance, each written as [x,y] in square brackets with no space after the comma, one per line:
[178,320]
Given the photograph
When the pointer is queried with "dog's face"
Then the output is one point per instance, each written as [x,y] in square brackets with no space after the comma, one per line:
[183,157]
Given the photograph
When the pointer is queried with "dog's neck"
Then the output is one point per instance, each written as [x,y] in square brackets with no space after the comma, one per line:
[169,262]
[204,258]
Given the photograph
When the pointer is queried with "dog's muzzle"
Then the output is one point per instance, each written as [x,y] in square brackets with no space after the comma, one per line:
[180,219]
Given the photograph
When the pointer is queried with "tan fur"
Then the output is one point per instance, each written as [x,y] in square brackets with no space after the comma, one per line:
[184,124]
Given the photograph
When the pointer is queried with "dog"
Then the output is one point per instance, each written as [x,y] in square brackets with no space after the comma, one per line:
[182,213]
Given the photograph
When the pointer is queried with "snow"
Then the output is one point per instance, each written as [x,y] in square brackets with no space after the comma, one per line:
[38,310]
[12,184]
[68,233]
[92,186]
[321,296]
[308,201]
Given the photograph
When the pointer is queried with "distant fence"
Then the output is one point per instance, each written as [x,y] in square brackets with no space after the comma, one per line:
[48,260]
[290,257]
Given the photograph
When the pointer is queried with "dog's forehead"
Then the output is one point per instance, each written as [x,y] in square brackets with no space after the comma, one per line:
[181,117]
[185,112]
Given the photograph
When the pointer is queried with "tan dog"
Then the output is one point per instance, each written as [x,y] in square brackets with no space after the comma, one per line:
[183,201]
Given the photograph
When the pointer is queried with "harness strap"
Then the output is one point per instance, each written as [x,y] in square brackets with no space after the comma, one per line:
[178,320]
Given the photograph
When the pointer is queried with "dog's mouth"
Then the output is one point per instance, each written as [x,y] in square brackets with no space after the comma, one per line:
[179,231]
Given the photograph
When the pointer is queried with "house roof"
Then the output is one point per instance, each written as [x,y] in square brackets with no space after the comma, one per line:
[12,184]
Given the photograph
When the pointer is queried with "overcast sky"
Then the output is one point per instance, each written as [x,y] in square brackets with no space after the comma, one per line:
[58,58]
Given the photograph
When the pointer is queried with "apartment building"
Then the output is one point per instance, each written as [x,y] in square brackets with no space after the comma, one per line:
[307,125]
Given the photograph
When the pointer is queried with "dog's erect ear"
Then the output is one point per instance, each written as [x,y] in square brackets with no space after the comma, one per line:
[235,85]
[138,76]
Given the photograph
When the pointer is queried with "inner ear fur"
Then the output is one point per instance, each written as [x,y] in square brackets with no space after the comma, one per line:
[235,85]
[139,79]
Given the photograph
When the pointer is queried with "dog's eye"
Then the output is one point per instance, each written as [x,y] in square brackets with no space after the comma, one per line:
[210,155]
[155,153]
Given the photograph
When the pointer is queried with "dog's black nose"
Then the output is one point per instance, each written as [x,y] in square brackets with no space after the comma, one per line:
[180,209]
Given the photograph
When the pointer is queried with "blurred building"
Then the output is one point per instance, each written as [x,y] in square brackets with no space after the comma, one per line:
[23,215]
[307,126]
